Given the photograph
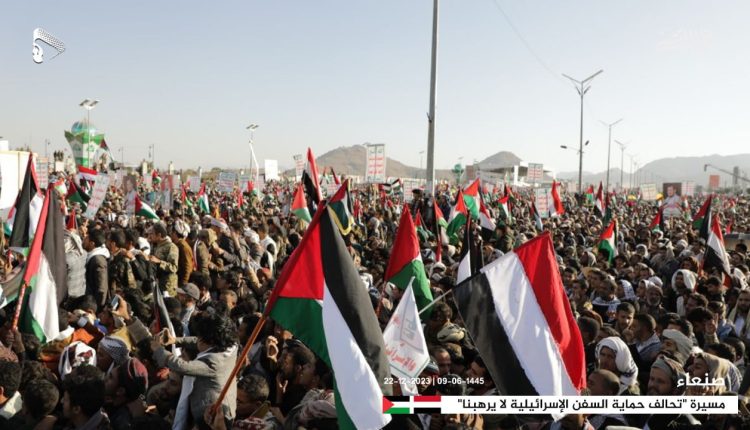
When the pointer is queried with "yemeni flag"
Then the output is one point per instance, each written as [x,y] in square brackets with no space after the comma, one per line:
[143,209]
[320,299]
[310,180]
[87,174]
[505,206]
[557,205]
[77,195]
[472,198]
[716,254]
[44,280]
[486,221]
[405,264]
[608,241]
[423,233]
[599,203]
[203,199]
[518,315]
[700,218]
[658,222]
[459,213]
[470,261]
[537,218]
[25,212]
[299,207]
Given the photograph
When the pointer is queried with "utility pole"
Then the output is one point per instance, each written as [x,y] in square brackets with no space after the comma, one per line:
[429,187]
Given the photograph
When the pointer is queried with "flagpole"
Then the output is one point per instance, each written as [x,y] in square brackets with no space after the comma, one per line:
[435,301]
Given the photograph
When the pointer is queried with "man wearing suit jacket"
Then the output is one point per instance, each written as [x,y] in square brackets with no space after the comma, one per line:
[202,378]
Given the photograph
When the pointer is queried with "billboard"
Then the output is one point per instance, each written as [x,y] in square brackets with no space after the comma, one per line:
[375,164]
[535,172]
[713,182]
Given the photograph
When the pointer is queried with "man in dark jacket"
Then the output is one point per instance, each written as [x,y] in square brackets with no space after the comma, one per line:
[97,267]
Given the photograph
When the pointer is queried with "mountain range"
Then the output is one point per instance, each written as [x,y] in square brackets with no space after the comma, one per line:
[351,160]
[675,169]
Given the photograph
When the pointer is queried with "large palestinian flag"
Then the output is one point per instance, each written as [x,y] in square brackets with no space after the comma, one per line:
[25,212]
[658,222]
[518,315]
[405,265]
[320,299]
[45,275]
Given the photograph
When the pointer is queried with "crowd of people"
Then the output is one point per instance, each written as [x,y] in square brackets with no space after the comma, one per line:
[649,316]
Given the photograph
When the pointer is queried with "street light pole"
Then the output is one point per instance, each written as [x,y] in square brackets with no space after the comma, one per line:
[430,174]
[609,146]
[622,161]
[252,128]
[582,88]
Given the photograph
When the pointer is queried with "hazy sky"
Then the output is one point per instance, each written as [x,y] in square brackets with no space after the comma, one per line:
[189,76]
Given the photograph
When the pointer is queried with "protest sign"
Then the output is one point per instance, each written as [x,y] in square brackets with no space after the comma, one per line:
[97,196]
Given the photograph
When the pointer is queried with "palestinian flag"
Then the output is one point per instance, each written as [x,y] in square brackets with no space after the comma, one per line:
[339,206]
[557,205]
[299,207]
[590,195]
[518,315]
[471,259]
[60,187]
[486,221]
[310,180]
[658,222]
[44,280]
[607,210]
[319,298]
[87,174]
[335,177]
[409,405]
[423,233]
[505,206]
[203,199]
[699,219]
[608,241]
[439,225]
[472,199]
[537,218]
[405,264]
[28,206]
[599,203]
[77,195]
[395,187]
[459,213]
[143,209]
[716,255]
